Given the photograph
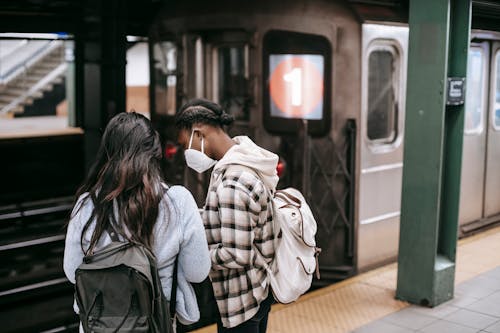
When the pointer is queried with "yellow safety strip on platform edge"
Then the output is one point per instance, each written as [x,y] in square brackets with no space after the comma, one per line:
[361,278]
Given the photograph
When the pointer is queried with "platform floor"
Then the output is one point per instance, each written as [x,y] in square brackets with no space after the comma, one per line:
[475,308]
[366,303]
[35,126]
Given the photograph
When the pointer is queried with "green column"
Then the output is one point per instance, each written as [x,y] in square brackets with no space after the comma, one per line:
[439,30]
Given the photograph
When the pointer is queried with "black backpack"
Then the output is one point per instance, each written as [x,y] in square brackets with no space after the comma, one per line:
[118,289]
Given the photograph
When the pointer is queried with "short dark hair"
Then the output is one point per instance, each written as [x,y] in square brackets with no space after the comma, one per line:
[203,111]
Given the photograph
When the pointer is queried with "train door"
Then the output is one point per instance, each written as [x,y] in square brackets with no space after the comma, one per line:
[212,65]
[492,181]
[382,123]
[475,135]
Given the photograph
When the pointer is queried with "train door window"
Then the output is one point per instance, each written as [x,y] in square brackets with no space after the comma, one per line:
[496,115]
[474,102]
[165,77]
[230,86]
[383,70]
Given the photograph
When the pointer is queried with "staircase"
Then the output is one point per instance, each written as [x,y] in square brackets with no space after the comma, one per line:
[30,74]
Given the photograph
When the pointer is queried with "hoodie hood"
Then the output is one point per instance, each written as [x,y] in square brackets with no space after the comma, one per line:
[245,152]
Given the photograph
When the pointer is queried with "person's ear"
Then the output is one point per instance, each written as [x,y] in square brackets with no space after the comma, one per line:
[200,130]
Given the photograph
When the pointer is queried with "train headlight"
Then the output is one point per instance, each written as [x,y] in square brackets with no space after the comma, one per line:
[281,167]
[170,151]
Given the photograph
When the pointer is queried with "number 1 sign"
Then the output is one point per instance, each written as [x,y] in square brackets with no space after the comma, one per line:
[296,86]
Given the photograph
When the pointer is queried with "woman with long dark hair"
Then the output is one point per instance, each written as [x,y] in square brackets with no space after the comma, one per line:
[124,192]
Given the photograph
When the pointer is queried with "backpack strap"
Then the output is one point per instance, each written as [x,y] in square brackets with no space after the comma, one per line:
[112,233]
[173,291]
[173,294]
[270,193]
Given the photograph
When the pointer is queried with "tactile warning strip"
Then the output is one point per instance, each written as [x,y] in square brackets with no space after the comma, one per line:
[362,299]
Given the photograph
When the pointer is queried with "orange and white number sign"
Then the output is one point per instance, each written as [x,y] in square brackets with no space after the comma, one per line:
[296,86]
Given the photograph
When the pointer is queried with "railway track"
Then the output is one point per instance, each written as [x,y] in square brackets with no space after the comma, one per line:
[35,295]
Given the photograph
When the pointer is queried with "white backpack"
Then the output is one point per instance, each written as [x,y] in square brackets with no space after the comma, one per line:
[296,257]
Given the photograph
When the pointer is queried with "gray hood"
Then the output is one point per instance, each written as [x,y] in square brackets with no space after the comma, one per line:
[246,152]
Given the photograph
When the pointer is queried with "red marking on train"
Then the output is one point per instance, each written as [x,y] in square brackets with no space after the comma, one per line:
[170,150]
[280,168]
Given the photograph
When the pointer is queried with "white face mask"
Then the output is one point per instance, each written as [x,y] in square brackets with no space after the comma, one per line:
[197,160]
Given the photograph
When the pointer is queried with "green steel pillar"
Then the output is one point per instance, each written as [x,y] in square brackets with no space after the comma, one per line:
[438,48]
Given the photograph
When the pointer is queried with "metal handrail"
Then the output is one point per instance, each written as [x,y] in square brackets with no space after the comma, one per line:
[23,66]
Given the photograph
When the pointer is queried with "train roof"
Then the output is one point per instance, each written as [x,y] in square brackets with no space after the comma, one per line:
[66,15]
[485,13]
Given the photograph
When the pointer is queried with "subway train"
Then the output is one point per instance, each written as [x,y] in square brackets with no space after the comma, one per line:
[323,85]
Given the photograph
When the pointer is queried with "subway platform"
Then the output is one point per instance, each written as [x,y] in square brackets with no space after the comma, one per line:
[366,303]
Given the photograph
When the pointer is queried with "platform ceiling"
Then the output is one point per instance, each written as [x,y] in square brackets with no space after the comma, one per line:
[67,15]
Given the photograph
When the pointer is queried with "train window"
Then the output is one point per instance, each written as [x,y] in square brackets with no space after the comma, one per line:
[496,110]
[474,102]
[165,77]
[381,119]
[231,86]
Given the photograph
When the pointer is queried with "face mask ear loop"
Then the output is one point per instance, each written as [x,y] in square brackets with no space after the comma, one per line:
[202,146]
[191,139]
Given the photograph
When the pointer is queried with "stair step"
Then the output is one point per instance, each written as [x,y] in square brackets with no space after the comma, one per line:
[58,80]
[13,91]
[37,94]
[54,59]
[18,86]
[28,101]
[26,81]
[34,77]
[39,71]
[48,87]
[17,109]
[47,65]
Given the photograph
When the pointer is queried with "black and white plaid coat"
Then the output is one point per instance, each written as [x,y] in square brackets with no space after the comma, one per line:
[238,223]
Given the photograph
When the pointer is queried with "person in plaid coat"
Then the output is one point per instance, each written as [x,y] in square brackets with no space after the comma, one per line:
[237,213]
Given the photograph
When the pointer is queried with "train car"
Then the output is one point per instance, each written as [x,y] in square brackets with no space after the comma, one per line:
[341,65]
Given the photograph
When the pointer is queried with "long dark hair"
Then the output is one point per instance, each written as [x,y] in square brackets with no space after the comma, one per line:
[124,182]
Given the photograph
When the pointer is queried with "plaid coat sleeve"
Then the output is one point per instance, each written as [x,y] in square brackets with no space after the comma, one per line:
[239,205]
